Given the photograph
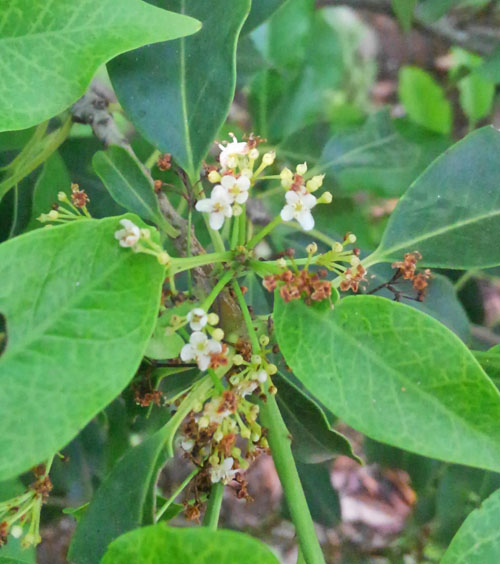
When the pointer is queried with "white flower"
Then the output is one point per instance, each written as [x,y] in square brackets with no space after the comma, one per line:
[246,387]
[223,472]
[197,319]
[230,152]
[129,235]
[199,348]
[214,413]
[218,206]
[237,188]
[299,206]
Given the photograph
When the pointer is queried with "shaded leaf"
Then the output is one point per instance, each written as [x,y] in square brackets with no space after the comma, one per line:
[450,206]
[201,545]
[261,10]
[313,439]
[404,11]
[478,539]
[37,82]
[129,185]
[396,375]
[71,345]
[176,97]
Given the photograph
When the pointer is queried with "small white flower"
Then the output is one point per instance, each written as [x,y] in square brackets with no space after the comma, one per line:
[237,188]
[129,235]
[218,206]
[199,348]
[260,376]
[299,206]
[223,472]
[197,319]
[230,152]
[245,388]
[213,413]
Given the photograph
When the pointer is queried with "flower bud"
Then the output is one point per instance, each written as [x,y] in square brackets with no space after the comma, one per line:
[218,436]
[53,214]
[213,319]
[268,158]
[244,464]
[16,530]
[236,452]
[282,262]
[204,422]
[286,176]
[214,176]
[264,340]
[62,197]
[238,360]
[256,359]
[247,172]
[350,238]
[271,369]
[218,334]
[314,183]
[338,247]
[254,153]
[312,249]
[197,406]
[354,260]
[261,376]
[301,169]
[213,460]
[245,432]
[163,258]
[237,210]
[325,198]
[145,233]
[255,437]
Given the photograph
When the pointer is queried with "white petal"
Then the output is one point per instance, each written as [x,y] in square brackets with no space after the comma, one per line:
[216,220]
[219,194]
[187,353]
[204,205]
[227,181]
[243,183]
[292,197]
[241,198]
[287,213]
[197,338]
[120,234]
[306,220]
[309,201]
[129,225]
[214,346]
[228,463]
[228,211]
[203,361]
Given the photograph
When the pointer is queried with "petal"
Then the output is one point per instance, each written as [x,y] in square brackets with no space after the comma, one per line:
[243,182]
[306,220]
[227,181]
[241,198]
[287,213]
[218,193]
[204,205]
[197,337]
[203,361]
[187,353]
[216,220]
[228,211]
[292,197]
[120,234]
[214,346]
[309,201]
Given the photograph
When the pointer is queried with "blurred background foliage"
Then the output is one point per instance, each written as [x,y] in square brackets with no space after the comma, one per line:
[369,92]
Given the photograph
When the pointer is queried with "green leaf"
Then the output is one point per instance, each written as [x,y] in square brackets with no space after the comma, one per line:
[79,311]
[37,82]
[162,346]
[177,97]
[478,539]
[313,439]
[490,362]
[260,11]
[396,375]
[161,544]
[404,11]
[451,213]
[424,100]
[322,499]
[376,156]
[490,68]
[53,179]
[129,185]
[121,502]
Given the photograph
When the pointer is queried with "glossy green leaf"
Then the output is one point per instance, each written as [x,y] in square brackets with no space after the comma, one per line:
[121,502]
[396,375]
[424,100]
[129,185]
[162,346]
[164,545]
[261,10]
[451,213]
[313,439]
[490,362]
[80,310]
[478,539]
[36,81]
[177,97]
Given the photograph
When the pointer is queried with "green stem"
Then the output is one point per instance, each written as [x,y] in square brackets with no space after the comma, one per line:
[217,289]
[211,518]
[462,280]
[153,157]
[182,264]
[242,224]
[172,498]
[321,237]
[235,233]
[279,442]
[263,232]
[188,247]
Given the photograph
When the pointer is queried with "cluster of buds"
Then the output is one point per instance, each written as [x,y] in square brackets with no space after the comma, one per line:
[68,208]
[205,345]
[164,162]
[139,240]
[210,434]
[345,262]
[407,269]
[233,180]
[302,284]
[299,196]
[24,511]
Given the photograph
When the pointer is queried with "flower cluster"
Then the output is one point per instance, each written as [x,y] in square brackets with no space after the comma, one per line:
[300,285]
[407,268]
[233,180]
[68,208]
[25,509]
[299,198]
[210,432]
[139,240]
[204,346]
